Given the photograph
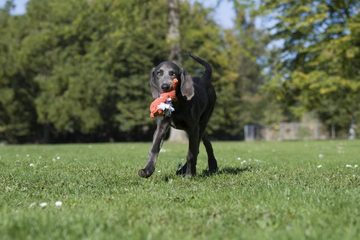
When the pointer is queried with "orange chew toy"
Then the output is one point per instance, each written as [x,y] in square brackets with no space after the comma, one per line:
[164,98]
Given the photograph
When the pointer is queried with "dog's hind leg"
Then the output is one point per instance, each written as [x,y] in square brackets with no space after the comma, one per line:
[210,152]
[159,135]
[189,168]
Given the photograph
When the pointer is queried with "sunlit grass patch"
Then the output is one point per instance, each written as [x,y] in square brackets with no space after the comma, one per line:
[281,190]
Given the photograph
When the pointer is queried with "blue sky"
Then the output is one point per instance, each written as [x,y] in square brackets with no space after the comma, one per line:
[20,6]
[223,15]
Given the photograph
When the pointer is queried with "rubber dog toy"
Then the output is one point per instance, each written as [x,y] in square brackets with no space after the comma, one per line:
[162,106]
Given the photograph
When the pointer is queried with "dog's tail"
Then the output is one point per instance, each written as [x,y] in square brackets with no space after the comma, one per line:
[208,69]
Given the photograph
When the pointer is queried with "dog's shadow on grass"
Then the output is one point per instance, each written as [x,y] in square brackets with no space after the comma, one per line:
[222,171]
[226,171]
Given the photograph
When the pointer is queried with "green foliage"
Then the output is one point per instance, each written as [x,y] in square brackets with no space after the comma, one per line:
[245,46]
[81,68]
[16,90]
[144,33]
[288,190]
[73,69]
[82,58]
[317,68]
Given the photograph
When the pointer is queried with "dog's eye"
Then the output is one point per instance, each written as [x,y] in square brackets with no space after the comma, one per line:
[159,73]
[172,73]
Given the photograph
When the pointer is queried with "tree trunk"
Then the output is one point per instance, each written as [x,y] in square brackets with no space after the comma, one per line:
[333,131]
[352,128]
[173,38]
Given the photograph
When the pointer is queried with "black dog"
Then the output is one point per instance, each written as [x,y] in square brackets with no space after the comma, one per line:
[194,105]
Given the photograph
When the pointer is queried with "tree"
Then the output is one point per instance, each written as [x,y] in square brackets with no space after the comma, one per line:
[78,70]
[74,73]
[173,38]
[316,64]
[17,88]
[239,89]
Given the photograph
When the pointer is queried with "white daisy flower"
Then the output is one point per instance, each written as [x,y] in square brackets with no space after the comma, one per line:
[58,204]
[43,205]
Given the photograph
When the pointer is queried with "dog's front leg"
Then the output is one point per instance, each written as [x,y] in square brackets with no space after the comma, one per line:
[193,152]
[163,125]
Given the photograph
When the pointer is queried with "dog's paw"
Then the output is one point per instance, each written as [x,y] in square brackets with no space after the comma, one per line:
[185,171]
[213,170]
[181,170]
[144,173]
[210,172]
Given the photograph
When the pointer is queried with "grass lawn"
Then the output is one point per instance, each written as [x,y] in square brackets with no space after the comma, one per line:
[279,190]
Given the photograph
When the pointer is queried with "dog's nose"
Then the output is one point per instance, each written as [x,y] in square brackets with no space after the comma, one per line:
[165,86]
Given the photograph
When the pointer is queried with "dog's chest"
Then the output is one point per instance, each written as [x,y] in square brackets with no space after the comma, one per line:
[178,121]
[187,113]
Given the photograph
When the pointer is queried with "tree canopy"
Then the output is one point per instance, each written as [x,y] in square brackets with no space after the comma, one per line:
[77,70]
[317,66]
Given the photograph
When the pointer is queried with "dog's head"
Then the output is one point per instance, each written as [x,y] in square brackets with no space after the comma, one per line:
[162,76]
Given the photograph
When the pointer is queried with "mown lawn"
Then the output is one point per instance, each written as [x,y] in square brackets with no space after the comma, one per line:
[280,190]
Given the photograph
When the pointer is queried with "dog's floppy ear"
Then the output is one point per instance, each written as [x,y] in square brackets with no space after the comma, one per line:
[155,91]
[186,87]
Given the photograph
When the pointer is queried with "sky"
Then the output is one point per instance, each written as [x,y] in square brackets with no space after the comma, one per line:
[223,15]
[20,6]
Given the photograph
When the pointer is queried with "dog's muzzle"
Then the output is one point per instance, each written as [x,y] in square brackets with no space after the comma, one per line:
[165,87]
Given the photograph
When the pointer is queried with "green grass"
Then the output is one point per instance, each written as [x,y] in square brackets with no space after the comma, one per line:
[263,191]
